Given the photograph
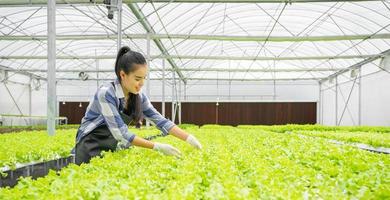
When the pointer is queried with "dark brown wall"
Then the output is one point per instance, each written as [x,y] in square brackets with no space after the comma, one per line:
[225,113]
[73,111]
[266,113]
[245,113]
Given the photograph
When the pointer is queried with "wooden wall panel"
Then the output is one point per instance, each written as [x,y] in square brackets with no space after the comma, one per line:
[73,111]
[266,113]
[198,113]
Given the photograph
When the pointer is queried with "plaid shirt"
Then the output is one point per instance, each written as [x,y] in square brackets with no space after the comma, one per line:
[105,107]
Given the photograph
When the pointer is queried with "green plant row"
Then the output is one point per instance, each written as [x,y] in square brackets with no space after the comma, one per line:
[233,164]
[36,146]
[25,147]
[373,139]
[308,127]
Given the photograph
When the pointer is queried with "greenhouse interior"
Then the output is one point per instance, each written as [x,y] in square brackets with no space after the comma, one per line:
[210,99]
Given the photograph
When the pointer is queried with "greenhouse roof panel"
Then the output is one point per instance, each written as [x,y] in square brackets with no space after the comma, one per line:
[249,40]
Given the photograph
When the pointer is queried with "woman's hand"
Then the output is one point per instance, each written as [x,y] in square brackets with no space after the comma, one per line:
[181,134]
[193,141]
[166,149]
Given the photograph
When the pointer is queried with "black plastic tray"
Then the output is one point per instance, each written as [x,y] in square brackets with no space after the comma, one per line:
[35,170]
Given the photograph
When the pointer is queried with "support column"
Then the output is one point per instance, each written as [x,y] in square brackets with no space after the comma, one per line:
[97,71]
[179,102]
[322,106]
[319,104]
[163,89]
[173,115]
[30,100]
[230,88]
[119,25]
[148,75]
[336,102]
[51,66]
[360,97]
[274,90]
[185,91]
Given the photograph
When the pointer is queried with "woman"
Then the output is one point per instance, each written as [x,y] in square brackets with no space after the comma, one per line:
[116,104]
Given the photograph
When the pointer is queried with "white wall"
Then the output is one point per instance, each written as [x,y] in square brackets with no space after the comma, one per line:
[15,100]
[375,95]
[375,100]
[20,93]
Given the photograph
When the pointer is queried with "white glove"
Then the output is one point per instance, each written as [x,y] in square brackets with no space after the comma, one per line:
[166,149]
[193,141]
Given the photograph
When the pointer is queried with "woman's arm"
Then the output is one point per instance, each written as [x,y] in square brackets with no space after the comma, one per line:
[165,125]
[140,142]
[179,133]
[164,148]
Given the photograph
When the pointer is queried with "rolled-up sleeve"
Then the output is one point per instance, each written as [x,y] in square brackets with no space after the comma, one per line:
[108,107]
[152,114]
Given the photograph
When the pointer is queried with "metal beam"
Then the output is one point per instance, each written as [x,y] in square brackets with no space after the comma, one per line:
[357,65]
[264,58]
[148,27]
[204,37]
[43,2]
[104,57]
[183,69]
[26,73]
[163,90]
[206,79]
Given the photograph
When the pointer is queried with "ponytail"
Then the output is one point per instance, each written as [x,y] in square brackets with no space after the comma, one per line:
[121,52]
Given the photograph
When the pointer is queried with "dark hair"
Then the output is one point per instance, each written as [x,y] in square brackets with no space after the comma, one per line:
[125,61]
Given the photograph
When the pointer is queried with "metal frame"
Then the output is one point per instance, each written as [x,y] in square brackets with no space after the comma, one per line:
[208,79]
[148,27]
[203,37]
[26,73]
[357,65]
[208,69]
[151,33]
[258,58]
[42,2]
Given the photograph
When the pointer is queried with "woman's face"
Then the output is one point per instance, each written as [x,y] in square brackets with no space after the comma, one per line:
[134,81]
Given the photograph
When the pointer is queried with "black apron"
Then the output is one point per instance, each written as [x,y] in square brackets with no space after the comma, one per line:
[98,140]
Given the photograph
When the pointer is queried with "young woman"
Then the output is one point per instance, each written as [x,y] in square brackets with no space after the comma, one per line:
[116,104]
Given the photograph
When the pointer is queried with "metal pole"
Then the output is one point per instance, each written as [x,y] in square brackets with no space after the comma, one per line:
[97,71]
[274,90]
[322,106]
[216,111]
[360,97]
[319,103]
[173,97]
[29,100]
[148,63]
[163,89]
[119,26]
[57,104]
[51,66]
[230,87]
[336,103]
[179,102]
[185,91]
